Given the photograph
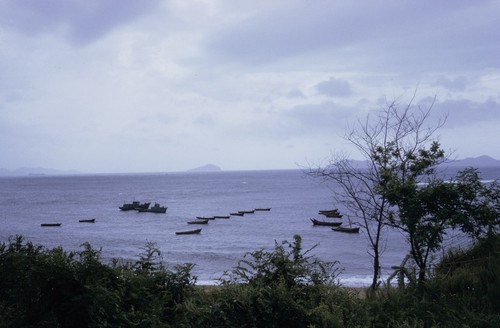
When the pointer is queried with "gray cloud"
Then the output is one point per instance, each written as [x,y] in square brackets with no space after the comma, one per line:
[459,83]
[321,118]
[81,21]
[466,113]
[335,88]
[380,35]
[226,81]
[295,93]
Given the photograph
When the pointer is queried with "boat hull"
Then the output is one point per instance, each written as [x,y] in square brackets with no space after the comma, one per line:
[189,232]
[87,221]
[346,230]
[325,223]
[198,221]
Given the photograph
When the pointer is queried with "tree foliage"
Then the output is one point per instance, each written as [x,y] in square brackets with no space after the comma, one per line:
[42,287]
[394,145]
[401,186]
[287,264]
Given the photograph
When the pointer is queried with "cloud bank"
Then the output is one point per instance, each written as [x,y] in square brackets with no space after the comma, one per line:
[128,86]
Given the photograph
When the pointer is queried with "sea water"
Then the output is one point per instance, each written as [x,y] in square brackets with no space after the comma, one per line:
[293,197]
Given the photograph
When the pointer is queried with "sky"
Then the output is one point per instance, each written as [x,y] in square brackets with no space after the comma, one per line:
[112,86]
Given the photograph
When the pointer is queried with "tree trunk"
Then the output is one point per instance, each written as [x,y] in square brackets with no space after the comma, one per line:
[376,269]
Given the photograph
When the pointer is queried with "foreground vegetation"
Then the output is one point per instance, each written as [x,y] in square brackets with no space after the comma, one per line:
[42,287]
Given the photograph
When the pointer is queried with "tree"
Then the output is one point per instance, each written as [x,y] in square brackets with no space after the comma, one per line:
[479,212]
[426,212]
[393,143]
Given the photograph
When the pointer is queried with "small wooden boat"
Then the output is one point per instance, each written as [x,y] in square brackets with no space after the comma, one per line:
[237,214]
[198,221]
[346,229]
[247,212]
[335,210]
[333,215]
[330,213]
[263,209]
[325,223]
[205,217]
[87,220]
[222,217]
[189,232]
[50,224]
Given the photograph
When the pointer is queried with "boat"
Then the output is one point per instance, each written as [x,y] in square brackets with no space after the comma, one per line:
[333,215]
[325,223]
[335,210]
[222,217]
[237,214]
[198,221]
[189,232]
[87,220]
[263,209]
[330,213]
[247,212]
[156,208]
[135,205]
[346,229]
[50,224]
[205,217]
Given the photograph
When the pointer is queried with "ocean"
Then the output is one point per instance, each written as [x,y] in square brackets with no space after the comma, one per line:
[293,197]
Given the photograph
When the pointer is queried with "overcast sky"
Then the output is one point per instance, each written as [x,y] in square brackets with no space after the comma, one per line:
[162,86]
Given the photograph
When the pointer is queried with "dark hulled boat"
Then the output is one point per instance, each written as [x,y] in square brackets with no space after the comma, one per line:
[198,221]
[205,217]
[189,232]
[87,220]
[331,213]
[325,223]
[135,205]
[346,229]
[156,208]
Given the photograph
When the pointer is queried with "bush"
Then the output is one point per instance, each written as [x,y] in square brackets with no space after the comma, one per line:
[52,288]
[282,288]
[462,293]
[287,265]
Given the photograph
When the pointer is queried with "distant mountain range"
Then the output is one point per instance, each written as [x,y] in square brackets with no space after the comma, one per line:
[477,162]
[481,161]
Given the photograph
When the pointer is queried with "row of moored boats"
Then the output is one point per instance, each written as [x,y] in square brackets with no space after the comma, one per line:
[206,219]
[335,225]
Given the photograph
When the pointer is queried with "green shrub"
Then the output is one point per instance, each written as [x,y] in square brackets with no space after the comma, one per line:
[52,288]
[287,265]
[462,293]
[282,288]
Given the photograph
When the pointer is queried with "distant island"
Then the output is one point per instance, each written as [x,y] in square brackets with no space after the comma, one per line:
[206,168]
[35,171]
[481,161]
